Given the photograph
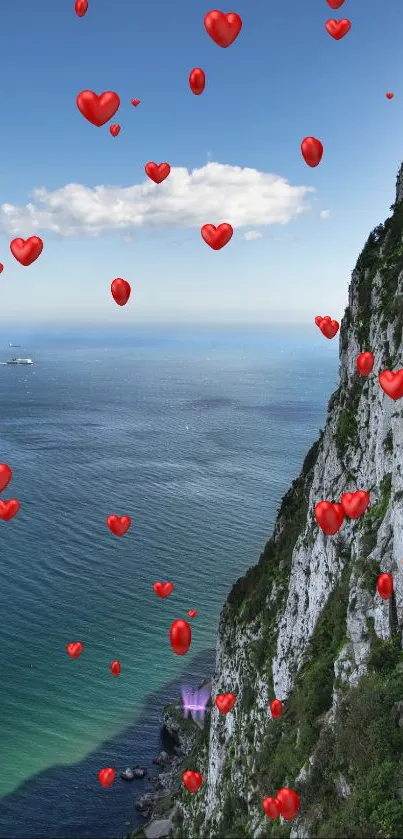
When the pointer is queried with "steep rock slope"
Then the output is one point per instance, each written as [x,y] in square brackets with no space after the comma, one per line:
[306,624]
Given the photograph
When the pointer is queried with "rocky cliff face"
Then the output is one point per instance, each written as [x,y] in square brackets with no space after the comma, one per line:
[306,624]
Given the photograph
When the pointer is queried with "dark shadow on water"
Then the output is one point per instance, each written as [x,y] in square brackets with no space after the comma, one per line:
[67,802]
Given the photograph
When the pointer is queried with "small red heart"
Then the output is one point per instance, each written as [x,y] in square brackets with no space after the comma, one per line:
[385,586]
[338,28]
[365,363]
[197,80]
[328,327]
[271,807]
[106,777]
[115,129]
[392,383]
[26,251]
[135,102]
[157,172]
[192,613]
[312,151]
[276,708]
[389,95]
[81,7]
[115,668]
[74,650]
[217,237]
[192,780]
[5,476]
[163,589]
[1,267]
[119,525]
[225,702]
[329,516]
[9,509]
[355,503]
[121,291]
[335,4]
[222,28]
[98,109]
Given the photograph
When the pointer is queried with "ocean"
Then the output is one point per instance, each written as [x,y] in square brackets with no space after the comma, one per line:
[194,433]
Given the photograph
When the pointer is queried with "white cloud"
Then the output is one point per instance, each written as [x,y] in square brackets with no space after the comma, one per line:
[325,214]
[250,235]
[209,195]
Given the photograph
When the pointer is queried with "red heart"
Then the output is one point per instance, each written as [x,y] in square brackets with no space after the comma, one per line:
[98,109]
[5,476]
[271,807]
[26,251]
[225,702]
[365,363]
[389,95]
[312,151]
[329,516]
[1,267]
[115,668]
[163,589]
[192,780]
[115,129]
[106,777]
[192,613]
[335,4]
[338,28]
[135,102]
[81,7]
[328,327]
[197,80]
[9,509]
[217,237]
[180,636]
[385,586]
[355,503]
[276,708]
[288,802]
[74,650]
[157,173]
[119,525]
[121,291]
[392,383]
[222,28]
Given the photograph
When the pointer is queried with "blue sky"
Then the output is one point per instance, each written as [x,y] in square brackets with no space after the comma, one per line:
[284,78]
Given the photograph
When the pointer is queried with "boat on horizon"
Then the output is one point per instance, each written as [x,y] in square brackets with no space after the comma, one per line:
[14,345]
[20,361]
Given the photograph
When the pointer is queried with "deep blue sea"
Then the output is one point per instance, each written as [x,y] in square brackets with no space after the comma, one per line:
[196,435]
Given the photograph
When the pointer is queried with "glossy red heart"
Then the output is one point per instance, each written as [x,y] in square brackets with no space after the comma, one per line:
[329,328]
[288,802]
[119,525]
[180,636]
[106,777]
[157,172]
[222,28]
[5,476]
[135,102]
[329,516]
[26,251]
[9,509]
[335,4]
[225,702]
[75,650]
[1,267]
[385,586]
[276,708]
[115,129]
[98,109]
[192,780]
[355,503]
[121,291]
[389,95]
[81,7]
[365,363]
[197,80]
[338,28]
[192,613]
[392,383]
[217,237]
[271,807]
[312,151]
[163,589]
[115,668]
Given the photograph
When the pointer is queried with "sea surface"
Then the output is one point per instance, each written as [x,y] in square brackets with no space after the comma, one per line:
[195,434]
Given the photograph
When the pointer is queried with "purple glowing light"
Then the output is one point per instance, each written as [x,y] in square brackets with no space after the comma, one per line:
[194,703]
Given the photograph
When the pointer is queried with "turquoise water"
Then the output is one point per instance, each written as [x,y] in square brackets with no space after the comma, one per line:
[196,438]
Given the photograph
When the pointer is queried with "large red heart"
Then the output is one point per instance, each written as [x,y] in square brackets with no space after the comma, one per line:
[9,509]
[119,525]
[328,327]
[106,777]
[5,476]
[335,4]
[157,172]
[98,109]
[329,516]
[223,29]
[288,801]
[312,151]
[225,702]
[355,503]
[192,780]
[338,28]
[163,589]
[365,363]
[180,636]
[392,383]
[26,251]
[75,649]
[81,7]
[217,237]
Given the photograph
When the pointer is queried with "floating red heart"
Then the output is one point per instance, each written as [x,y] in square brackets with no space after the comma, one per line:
[355,503]
[163,589]
[180,637]
[106,777]
[392,383]
[288,802]
[329,516]
[389,95]
[312,151]
[197,80]
[365,363]
[98,109]
[81,7]
[338,28]
[121,291]
[335,4]
[328,327]
[385,586]
[1,267]
[157,172]
[135,102]
[192,613]
[9,509]
[192,780]
[26,251]
[222,28]
[225,702]
[276,708]
[115,129]
[217,237]
[74,650]
[115,668]
[119,525]
[271,807]
[5,476]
